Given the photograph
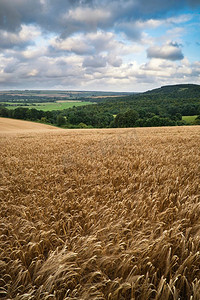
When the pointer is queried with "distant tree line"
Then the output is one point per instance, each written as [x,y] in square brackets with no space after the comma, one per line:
[60,118]
[78,118]
[131,119]
[26,99]
[23,113]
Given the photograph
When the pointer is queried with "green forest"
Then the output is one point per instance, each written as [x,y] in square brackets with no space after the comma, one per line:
[164,106]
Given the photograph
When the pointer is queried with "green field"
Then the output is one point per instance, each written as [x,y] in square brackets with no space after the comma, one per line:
[189,119]
[49,106]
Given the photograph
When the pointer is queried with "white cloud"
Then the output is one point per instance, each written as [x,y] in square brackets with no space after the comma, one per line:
[33,72]
[34,52]
[88,15]
[22,39]
[96,72]
[179,19]
[169,51]
[175,33]
[76,44]
[96,43]
[29,32]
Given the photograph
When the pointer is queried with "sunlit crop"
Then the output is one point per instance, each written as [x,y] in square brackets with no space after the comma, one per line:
[100,214]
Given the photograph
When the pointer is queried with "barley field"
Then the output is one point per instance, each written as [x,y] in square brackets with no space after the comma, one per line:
[100,214]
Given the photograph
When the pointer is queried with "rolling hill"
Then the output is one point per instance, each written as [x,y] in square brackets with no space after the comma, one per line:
[177,91]
[18,126]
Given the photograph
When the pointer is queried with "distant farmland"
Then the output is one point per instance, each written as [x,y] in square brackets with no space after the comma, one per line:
[100,214]
[49,106]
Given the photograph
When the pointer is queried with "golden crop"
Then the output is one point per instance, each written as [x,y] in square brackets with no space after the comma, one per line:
[100,214]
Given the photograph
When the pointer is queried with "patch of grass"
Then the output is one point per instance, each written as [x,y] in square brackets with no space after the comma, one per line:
[189,119]
[49,106]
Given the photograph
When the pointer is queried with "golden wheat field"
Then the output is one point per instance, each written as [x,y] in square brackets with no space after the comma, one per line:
[15,126]
[100,214]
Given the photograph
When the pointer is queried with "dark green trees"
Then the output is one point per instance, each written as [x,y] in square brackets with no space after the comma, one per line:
[127,119]
[197,120]
[61,120]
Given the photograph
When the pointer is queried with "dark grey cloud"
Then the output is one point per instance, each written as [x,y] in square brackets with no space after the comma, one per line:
[66,16]
[193,3]
[10,18]
[10,68]
[114,61]
[170,51]
[98,61]
[94,62]
[15,13]
[130,29]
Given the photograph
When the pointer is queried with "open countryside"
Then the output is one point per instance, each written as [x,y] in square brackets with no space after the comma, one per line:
[174,105]
[100,150]
[99,214]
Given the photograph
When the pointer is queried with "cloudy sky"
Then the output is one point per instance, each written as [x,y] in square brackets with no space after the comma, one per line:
[110,45]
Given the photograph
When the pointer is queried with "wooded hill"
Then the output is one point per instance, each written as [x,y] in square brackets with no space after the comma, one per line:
[170,102]
[184,99]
